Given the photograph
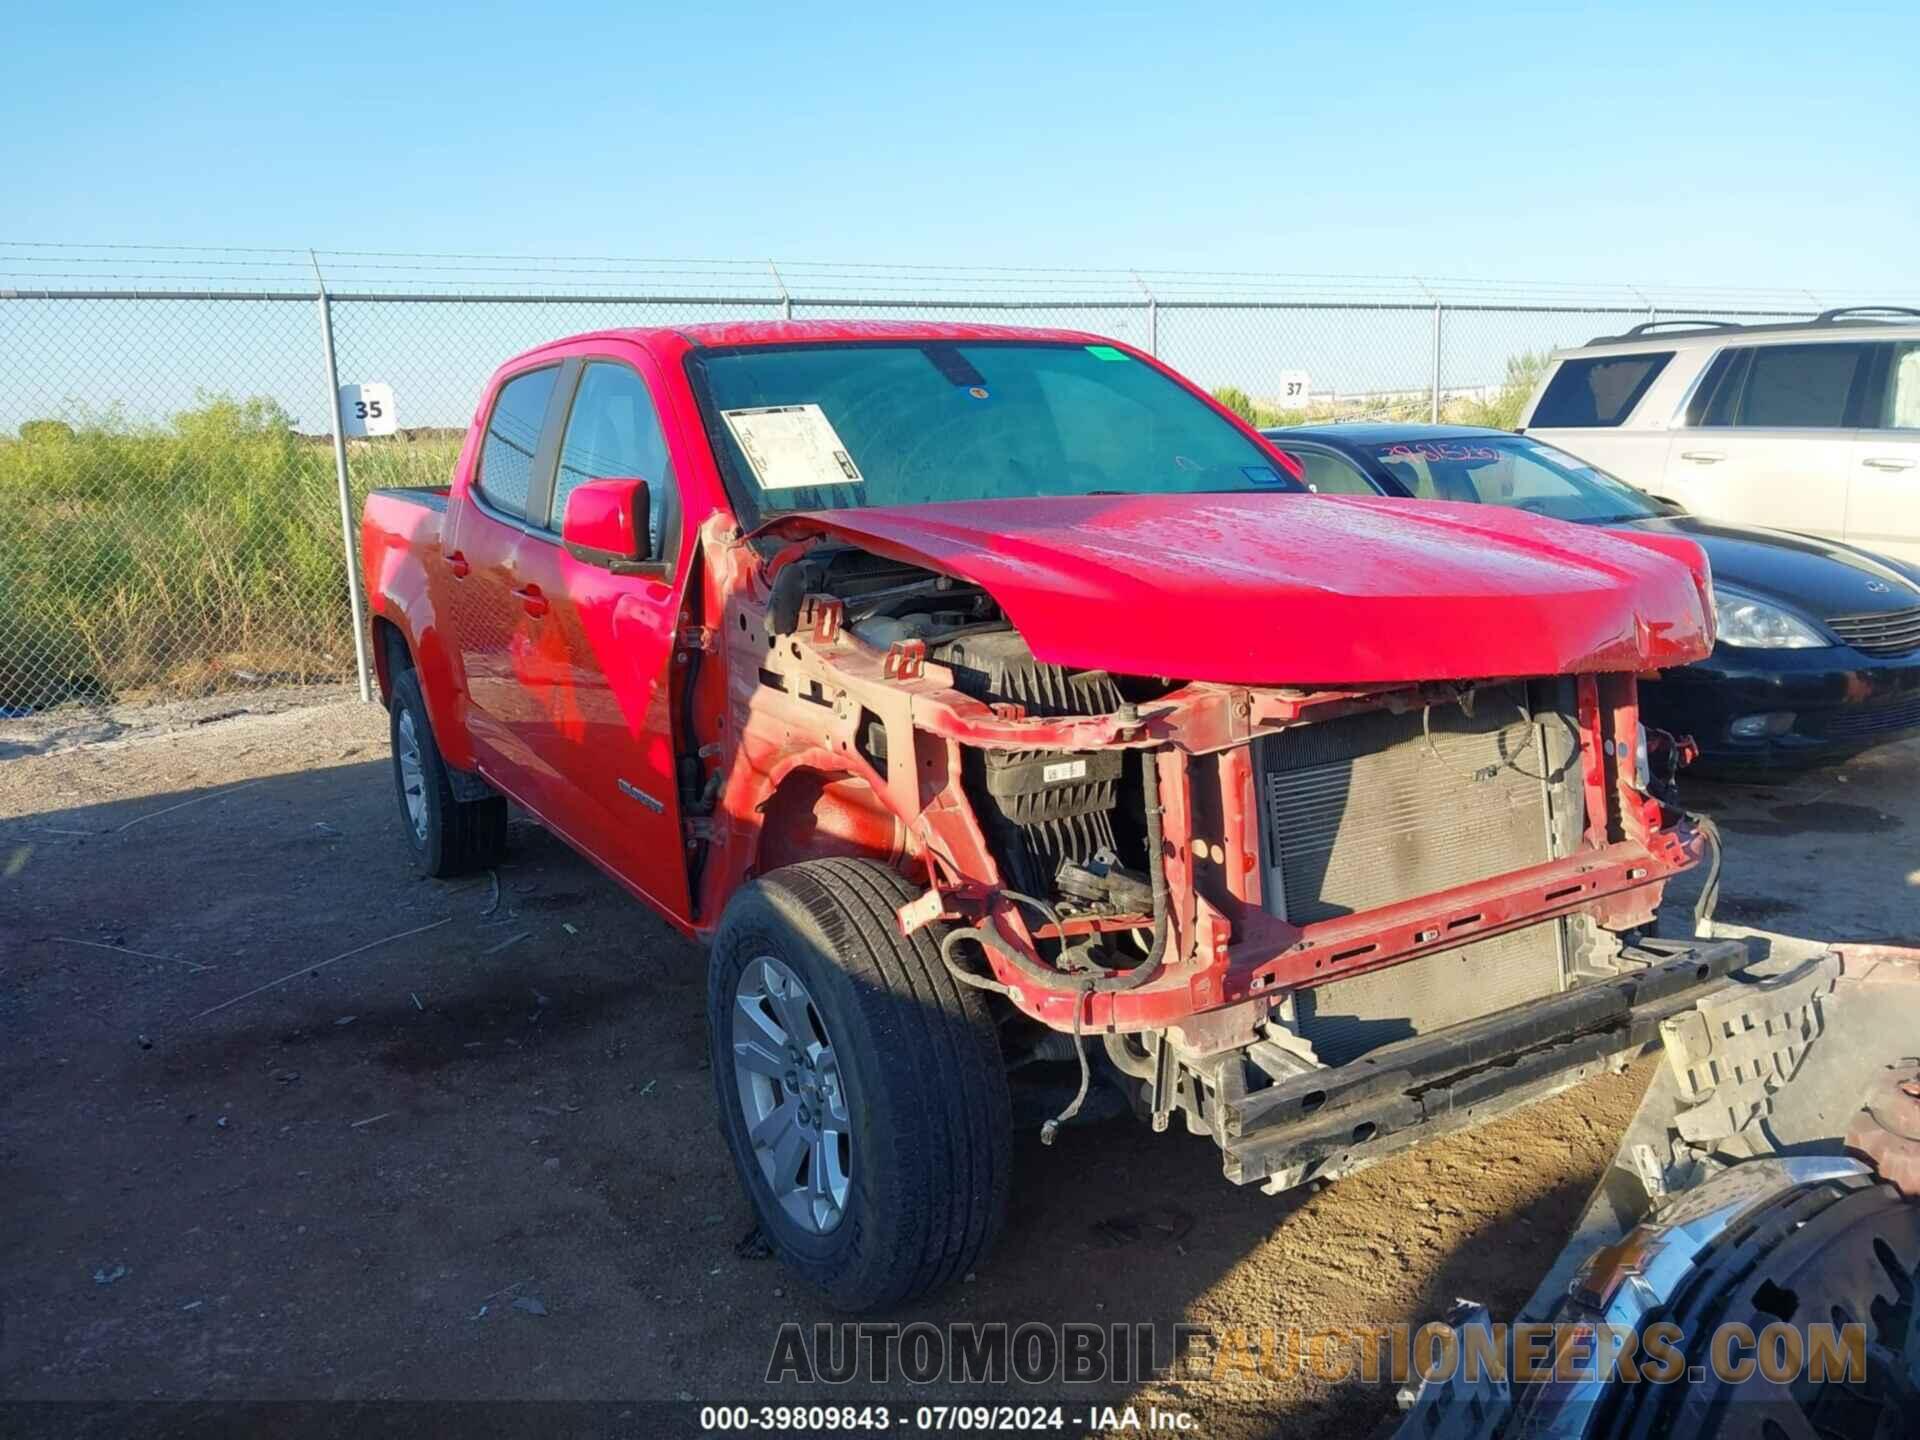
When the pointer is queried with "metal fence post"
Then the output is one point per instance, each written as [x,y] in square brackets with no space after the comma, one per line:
[1435,416]
[786,300]
[1153,316]
[347,532]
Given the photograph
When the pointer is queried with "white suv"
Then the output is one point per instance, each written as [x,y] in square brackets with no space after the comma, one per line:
[1812,427]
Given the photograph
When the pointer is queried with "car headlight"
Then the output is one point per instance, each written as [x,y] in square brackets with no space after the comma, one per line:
[1750,623]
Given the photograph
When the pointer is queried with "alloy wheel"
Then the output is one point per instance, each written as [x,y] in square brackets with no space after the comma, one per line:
[790,1093]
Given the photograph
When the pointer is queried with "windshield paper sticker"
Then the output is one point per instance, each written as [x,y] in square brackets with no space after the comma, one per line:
[1106,352]
[790,446]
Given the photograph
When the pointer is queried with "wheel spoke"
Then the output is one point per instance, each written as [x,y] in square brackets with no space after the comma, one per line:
[837,1166]
[765,1031]
[819,1178]
[791,1001]
[782,1118]
[833,1097]
[789,1149]
[760,1058]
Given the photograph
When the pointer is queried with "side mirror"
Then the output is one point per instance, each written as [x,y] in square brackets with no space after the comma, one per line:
[606,524]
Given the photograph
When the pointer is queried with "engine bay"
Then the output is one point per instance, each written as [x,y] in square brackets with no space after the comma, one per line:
[1131,852]
[1068,828]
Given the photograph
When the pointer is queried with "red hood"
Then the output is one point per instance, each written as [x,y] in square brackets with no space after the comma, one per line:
[1305,589]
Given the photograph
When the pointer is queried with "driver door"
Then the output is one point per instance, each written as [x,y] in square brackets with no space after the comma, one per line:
[598,659]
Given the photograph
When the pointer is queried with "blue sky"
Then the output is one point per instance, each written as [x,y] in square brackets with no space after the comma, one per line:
[1748,144]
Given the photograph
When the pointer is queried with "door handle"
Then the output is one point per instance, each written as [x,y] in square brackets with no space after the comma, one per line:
[457,563]
[1887,462]
[1703,457]
[532,600]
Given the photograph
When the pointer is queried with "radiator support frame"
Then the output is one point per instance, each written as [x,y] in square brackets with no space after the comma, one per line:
[1376,810]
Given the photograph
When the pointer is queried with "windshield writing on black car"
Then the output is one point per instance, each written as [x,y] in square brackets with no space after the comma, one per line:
[1521,474]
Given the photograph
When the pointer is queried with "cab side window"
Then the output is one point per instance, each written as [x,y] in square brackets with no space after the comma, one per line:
[613,432]
[513,433]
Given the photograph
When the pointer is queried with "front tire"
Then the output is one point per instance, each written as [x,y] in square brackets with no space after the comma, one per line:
[446,836]
[860,1086]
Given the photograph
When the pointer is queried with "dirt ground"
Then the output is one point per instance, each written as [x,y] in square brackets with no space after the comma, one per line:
[467,1152]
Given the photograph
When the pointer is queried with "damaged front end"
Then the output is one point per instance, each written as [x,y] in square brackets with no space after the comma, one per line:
[1316,921]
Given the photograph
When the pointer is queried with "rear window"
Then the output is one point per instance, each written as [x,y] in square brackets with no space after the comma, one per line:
[1599,390]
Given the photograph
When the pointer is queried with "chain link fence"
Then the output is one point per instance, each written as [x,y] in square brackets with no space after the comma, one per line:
[170,516]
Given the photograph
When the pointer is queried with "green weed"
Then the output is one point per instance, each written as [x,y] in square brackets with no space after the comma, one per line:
[173,559]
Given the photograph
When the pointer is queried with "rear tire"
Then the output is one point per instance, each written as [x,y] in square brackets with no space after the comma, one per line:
[894,1091]
[446,836]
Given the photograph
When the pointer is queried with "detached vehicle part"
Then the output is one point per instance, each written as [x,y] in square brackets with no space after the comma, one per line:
[1812,1253]
[1759,1217]
[992,699]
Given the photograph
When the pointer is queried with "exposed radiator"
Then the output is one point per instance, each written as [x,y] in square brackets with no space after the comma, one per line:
[1364,812]
[1346,1019]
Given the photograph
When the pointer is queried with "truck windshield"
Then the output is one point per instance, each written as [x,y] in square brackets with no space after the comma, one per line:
[839,426]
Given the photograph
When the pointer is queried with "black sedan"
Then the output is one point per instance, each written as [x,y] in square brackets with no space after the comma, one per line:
[1818,655]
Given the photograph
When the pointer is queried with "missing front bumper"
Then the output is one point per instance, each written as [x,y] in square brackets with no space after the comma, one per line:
[1331,1122]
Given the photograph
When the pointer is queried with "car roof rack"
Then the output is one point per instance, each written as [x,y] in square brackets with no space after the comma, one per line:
[1844,315]
[1647,327]
[1866,310]
[1650,327]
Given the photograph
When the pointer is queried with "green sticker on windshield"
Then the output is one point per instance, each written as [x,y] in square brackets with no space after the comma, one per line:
[1106,352]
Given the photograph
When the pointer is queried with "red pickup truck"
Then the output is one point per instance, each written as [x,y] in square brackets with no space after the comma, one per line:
[991,699]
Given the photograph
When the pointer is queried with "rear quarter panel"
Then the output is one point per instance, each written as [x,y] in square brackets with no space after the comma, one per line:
[401,555]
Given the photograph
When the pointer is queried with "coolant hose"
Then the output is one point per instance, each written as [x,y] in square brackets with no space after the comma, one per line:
[1157,872]
[1084,987]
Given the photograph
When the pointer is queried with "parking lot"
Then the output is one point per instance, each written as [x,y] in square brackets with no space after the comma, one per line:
[285,1122]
